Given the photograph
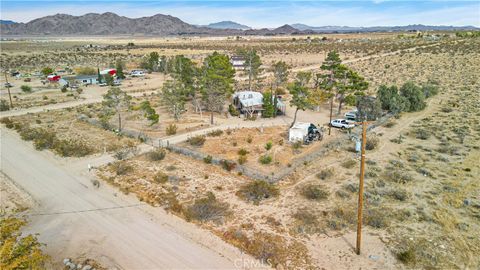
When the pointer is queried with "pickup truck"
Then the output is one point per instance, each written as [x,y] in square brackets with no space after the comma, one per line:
[342,123]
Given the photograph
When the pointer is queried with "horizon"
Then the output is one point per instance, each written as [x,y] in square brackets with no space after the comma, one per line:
[265,14]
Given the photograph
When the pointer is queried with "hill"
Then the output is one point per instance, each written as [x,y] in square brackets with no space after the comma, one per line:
[228,25]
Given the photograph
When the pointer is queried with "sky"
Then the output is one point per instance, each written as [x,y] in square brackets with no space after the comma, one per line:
[263,13]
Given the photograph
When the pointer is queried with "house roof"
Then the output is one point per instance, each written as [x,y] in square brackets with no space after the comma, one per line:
[86,77]
[249,98]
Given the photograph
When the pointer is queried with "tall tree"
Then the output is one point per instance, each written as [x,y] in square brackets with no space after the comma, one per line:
[119,67]
[217,79]
[114,101]
[252,65]
[303,78]
[280,73]
[301,99]
[174,97]
[351,86]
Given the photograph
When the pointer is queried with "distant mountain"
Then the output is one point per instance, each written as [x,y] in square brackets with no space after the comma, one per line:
[414,27]
[6,22]
[165,25]
[228,25]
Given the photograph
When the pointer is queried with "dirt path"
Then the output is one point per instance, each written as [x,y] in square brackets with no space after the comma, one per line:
[76,220]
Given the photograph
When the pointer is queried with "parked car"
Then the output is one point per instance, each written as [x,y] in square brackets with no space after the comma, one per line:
[8,85]
[102,84]
[342,123]
[352,115]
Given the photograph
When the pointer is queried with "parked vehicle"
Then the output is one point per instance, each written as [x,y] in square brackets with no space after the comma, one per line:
[137,73]
[352,115]
[342,123]
[306,132]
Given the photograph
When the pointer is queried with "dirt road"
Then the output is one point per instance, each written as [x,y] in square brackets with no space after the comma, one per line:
[77,220]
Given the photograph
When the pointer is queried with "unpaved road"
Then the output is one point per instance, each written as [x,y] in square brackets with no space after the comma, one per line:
[77,220]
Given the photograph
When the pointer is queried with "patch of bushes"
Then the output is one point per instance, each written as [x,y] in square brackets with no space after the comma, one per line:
[198,140]
[376,218]
[349,163]
[268,145]
[398,175]
[242,160]
[7,122]
[215,133]
[26,88]
[71,148]
[232,110]
[398,194]
[249,139]
[121,168]
[160,177]
[207,208]
[242,152]
[228,165]
[207,159]
[422,134]
[257,191]
[306,221]
[4,106]
[342,217]
[325,174]
[171,129]
[265,159]
[372,142]
[123,153]
[407,256]
[315,192]
[157,155]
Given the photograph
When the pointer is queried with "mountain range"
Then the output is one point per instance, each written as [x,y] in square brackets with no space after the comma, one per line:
[165,25]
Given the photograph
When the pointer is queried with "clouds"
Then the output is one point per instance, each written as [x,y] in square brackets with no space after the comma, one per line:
[266,13]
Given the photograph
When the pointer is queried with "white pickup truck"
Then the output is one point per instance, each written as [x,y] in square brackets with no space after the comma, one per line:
[342,123]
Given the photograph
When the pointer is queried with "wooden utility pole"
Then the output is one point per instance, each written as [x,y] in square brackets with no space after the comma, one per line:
[331,104]
[360,186]
[8,89]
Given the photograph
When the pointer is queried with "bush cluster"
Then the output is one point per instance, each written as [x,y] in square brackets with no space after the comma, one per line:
[198,140]
[315,192]
[157,155]
[257,191]
[207,208]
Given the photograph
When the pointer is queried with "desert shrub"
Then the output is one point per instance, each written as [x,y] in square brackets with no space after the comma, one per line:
[207,159]
[207,208]
[268,145]
[198,140]
[341,217]
[242,160]
[325,174]
[372,142]
[7,121]
[430,89]
[398,194]
[257,191]
[4,106]
[407,256]
[415,97]
[42,139]
[349,163]
[171,129]
[157,155]
[315,192]
[232,110]
[265,159]
[376,218]
[227,165]
[306,221]
[297,145]
[121,167]
[447,109]
[72,148]
[422,134]
[19,250]
[242,152]
[124,153]
[160,177]
[249,139]
[398,175]
[26,88]
[390,99]
[215,133]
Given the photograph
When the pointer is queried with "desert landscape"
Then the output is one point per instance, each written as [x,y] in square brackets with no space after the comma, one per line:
[186,145]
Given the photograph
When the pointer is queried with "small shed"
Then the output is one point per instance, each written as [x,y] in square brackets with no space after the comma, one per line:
[110,71]
[298,132]
[237,61]
[248,101]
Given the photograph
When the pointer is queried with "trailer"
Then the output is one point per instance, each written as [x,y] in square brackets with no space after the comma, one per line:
[305,132]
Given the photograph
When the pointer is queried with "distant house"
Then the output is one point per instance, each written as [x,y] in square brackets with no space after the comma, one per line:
[84,79]
[237,61]
[250,102]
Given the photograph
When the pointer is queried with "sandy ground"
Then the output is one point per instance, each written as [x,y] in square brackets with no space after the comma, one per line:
[13,198]
[75,219]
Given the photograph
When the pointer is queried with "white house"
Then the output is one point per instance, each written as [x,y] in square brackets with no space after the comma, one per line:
[250,102]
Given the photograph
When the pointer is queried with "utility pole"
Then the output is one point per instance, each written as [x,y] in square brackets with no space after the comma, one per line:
[360,187]
[331,104]
[8,89]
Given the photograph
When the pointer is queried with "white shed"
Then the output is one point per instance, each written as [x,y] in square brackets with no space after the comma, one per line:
[298,132]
